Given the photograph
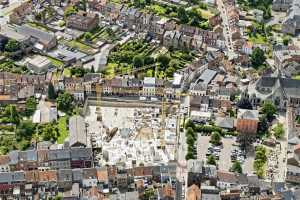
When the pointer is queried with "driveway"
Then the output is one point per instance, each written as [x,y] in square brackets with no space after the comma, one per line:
[100,58]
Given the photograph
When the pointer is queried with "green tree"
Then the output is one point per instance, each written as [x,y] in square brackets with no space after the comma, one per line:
[163,60]
[78,71]
[286,40]
[237,167]
[257,57]
[148,60]
[25,130]
[70,11]
[263,126]
[138,61]
[12,45]
[11,114]
[267,13]
[65,102]
[189,123]
[51,91]
[211,160]
[190,140]
[30,106]
[82,5]
[49,132]
[92,69]
[269,110]
[182,15]
[260,161]
[191,132]
[278,130]
[170,71]
[215,138]
[190,155]
[88,36]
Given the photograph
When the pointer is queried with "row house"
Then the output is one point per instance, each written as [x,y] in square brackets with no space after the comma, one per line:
[132,86]
[75,87]
[162,29]
[46,159]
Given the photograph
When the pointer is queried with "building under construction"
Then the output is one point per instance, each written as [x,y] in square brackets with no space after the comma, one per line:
[132,133]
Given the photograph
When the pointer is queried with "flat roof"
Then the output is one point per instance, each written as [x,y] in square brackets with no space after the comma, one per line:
[9,32]
[39,61]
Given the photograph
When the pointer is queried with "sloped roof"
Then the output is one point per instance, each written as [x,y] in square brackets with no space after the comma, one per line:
[248,114]
[227,177]
[43,36]
[193,193]
[247,126]
[224,122]
[77,131]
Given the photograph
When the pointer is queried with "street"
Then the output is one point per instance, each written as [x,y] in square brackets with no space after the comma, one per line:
[226,27]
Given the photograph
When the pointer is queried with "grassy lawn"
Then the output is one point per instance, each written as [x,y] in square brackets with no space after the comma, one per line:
[80,46]
[276,28]
[10,66]
[296,77]
[258,39]
[157,9]
[63,130]
[56,63]
[67,72]
[110,69]
[39,26]
[206,14]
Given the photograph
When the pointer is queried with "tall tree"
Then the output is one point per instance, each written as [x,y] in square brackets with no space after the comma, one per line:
[12,46]
[182,15]
[211,160]
[92,69]
[269,110]
[30,106]
[65,102]
[215,138]
[237,167]
[258,57]
[51,91]
[138,61]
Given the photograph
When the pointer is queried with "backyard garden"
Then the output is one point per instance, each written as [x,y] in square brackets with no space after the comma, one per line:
[148,59]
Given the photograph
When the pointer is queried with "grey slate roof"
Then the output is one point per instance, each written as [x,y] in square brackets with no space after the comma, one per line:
[77,174]
[43,36]
[207,76]
[267,81]
[59,154]
[65,175]
[30,155]
[248,114]
[81,153]
[14,157]
[5,177]
[77,131]
[12,177]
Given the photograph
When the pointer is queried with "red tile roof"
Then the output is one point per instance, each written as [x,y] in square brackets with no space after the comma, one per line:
[247,126]
[47,176]
[193,193]
[4,159]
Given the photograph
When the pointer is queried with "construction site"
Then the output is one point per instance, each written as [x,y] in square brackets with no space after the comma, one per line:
[132,133]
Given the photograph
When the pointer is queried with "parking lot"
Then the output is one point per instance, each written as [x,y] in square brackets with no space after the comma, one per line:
[225,154]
